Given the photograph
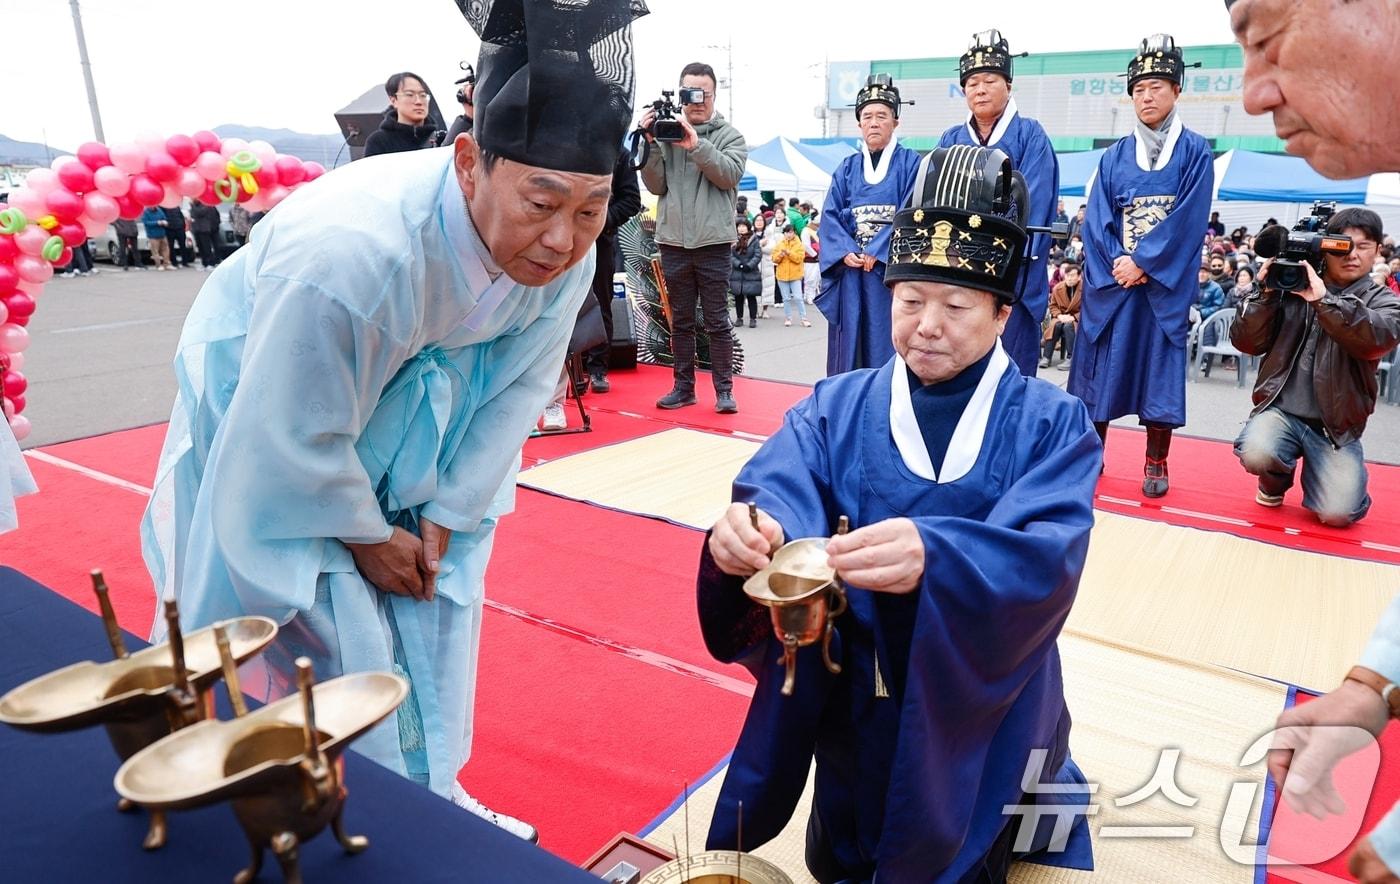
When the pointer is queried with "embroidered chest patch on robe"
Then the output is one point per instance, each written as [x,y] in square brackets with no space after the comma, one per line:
[869,220]
[1142,215]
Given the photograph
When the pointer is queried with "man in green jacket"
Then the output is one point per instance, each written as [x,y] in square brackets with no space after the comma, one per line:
[697,180]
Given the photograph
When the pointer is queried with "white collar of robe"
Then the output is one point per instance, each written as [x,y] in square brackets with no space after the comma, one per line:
[999,130]
[1173,135]
[966,443]
[875,174]
[472,255]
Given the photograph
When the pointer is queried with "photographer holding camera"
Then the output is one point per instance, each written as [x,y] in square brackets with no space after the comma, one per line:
[694,165]
[1321,339]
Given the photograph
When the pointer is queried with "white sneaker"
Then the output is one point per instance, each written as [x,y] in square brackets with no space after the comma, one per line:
[554,417]
[518,828]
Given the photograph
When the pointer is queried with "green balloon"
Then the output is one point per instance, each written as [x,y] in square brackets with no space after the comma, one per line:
[225,190]
[53,249]
[245,161]
[12,220]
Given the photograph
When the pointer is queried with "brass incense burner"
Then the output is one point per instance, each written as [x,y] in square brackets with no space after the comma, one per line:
[804,596]
[139,698]
[280,765]
[717,867]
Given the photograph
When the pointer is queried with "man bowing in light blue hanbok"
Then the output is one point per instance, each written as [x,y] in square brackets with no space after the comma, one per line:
[984,72]
[1143,231]
[866,190]
[355,384]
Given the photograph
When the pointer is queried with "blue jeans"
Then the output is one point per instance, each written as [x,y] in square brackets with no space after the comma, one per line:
[1334,479]
[791,290]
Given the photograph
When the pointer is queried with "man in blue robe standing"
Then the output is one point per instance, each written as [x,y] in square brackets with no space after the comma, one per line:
[985,71]
[970,490]
[356,383]
[866,190]
[1143,230]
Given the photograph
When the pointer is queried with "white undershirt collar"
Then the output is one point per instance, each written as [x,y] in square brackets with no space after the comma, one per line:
[876,174]
[997,131]
[966,444]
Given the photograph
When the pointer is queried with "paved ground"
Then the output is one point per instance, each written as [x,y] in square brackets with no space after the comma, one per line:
[100,351]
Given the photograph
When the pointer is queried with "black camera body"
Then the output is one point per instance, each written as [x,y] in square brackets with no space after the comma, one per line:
[1306,243]
[665,127]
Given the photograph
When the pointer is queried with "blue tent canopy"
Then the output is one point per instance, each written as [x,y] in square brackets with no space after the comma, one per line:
[1283,179]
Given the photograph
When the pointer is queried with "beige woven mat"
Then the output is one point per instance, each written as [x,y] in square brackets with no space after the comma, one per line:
[1209,597]
[680,475]
[1127,706]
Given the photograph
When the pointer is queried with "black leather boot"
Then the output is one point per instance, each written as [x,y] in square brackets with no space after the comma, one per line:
[1154,471]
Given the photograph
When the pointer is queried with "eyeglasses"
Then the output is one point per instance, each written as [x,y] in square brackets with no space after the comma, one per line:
[413,96]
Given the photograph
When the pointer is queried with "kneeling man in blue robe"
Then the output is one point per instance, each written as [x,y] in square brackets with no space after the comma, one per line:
[942,746]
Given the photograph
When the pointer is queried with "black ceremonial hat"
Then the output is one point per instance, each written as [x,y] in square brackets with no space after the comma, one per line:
[554,80]
[988,52]
[1159,57]
[878,88]
[964,224]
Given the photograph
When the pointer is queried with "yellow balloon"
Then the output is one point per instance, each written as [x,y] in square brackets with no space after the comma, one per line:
[48,222]
[250,183]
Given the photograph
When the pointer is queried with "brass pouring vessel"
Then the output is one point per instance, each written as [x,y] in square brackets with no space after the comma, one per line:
[138,698]
[280,765]
[804,595]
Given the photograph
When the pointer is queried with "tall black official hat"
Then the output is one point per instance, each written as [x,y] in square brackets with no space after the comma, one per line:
[1159,57]
[988,52]
[879,88]
[964,224]
[554,80]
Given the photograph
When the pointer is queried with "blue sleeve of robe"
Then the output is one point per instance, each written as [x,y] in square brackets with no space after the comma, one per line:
[1162,253]
[312,372]
[523,373]
[1044,187]
[1101,230]
[836,230]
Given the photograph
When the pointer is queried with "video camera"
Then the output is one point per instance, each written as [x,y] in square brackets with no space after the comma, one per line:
[1307,242]
[665,127]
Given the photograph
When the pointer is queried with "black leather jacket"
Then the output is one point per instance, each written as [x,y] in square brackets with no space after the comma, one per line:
[1357,325]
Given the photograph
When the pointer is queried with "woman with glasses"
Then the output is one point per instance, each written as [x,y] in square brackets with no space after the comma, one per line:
[408,123]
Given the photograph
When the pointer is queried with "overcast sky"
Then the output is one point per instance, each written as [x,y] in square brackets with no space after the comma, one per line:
[163,66]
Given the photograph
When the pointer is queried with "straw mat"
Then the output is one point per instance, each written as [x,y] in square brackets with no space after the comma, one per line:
[680,475]
[1127,705]
[1294,616]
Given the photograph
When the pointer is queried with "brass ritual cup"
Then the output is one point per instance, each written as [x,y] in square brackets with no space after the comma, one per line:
[138,698]
[280,766]
[804,596]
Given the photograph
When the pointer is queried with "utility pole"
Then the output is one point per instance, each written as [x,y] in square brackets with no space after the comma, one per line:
[87,72]
[729,64]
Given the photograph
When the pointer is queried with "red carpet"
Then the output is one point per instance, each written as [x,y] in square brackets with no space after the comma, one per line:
[1300,838]
[1211,491]
[603,572]
[127,454]
[75,524]
[584,742]
[762,404]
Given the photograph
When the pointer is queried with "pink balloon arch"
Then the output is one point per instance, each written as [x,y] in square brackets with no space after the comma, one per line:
[58,208]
